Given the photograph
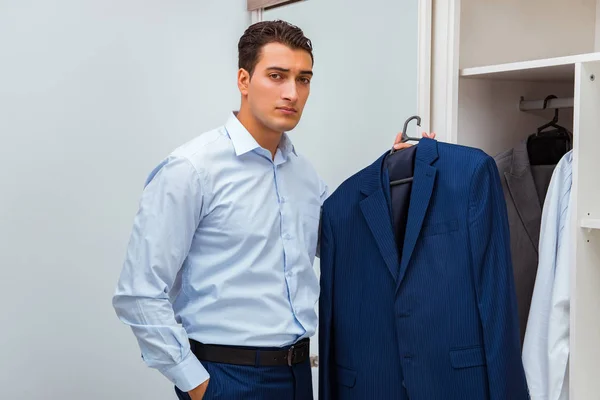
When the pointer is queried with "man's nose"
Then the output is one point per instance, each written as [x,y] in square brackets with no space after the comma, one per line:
[290,92]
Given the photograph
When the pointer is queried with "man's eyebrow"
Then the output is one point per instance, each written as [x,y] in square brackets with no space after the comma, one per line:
[307,72]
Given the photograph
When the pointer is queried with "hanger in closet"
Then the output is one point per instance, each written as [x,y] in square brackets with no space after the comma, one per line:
[546,147]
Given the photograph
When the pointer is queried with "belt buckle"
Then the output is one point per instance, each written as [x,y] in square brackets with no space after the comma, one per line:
[290,355]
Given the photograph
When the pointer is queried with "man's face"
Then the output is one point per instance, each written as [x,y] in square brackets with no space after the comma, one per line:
[279,87]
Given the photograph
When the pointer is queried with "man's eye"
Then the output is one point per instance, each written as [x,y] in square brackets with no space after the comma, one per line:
[275,76]
[305,80]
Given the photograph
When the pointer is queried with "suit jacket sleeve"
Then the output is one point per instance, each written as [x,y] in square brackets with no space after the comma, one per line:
[326,363]
[494,283]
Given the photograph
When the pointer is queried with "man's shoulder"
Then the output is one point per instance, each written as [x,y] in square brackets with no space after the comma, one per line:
[196,152]
[205,150]
[205,142]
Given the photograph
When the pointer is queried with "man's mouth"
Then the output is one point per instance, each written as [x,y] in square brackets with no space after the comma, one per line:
[287,110]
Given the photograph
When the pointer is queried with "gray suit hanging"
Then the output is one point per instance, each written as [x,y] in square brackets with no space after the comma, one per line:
[524,191]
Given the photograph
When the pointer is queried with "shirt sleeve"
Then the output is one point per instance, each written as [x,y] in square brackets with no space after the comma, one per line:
[536,344]
[324,195]
[546,345]
[559,317]
[169,212]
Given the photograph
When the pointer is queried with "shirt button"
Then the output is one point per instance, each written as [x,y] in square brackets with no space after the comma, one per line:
[287,236]
[283,199]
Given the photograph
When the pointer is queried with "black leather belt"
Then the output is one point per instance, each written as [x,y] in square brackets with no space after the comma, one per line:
[295,354]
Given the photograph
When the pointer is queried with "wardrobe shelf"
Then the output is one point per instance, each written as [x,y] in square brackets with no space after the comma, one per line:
[590,223]
[547,69]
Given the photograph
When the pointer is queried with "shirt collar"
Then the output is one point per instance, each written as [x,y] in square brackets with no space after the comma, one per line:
[244,142]
[286,145]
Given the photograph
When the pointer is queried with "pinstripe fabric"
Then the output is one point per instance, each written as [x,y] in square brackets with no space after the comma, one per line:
[445,326]
[236,382]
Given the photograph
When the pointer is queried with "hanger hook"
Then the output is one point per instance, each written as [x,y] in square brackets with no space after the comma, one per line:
[405,137]
[555,119]
[547,99]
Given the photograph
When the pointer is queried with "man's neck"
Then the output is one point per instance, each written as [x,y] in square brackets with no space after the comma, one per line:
[265,137]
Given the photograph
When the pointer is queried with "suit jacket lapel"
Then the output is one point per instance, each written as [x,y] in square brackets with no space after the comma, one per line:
[422,189]
[524,194]
[375,209]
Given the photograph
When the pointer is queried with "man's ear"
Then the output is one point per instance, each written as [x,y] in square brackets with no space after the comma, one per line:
[243,80]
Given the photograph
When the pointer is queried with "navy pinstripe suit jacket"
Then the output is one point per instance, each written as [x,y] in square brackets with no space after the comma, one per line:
[438,323]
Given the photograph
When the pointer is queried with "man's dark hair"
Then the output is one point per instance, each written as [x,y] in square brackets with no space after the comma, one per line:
[262,33]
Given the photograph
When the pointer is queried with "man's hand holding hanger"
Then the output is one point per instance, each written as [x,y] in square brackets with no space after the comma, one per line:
[398,145]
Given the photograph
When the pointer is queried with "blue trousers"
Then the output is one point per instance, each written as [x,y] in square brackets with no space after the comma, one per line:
[232,382]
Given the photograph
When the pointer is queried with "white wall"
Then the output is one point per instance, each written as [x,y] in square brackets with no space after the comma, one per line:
[92,95]
[365,83]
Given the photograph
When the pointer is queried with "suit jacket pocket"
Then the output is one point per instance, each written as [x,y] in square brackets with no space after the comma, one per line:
[468,357]
[346,377]
[439,228]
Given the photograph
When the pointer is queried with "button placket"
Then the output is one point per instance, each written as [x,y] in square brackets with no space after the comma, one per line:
[282,206]
[283,220]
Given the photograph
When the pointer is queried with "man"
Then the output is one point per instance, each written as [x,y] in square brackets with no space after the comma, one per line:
[218,285]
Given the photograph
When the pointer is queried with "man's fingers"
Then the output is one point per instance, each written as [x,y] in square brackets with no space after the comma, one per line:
[399,146]
[398,137]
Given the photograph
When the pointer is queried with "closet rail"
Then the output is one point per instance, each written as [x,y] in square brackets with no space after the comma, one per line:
[529,105]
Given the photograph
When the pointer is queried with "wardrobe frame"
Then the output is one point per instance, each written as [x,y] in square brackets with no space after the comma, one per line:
[473,102]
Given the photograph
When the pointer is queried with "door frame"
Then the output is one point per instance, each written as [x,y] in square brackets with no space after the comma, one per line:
[444,72]
[424,66]
[256,16]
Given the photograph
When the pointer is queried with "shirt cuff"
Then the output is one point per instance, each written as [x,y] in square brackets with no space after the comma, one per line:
[188,374]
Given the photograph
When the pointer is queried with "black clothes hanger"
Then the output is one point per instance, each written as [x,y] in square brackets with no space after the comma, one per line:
[554,122]
[405,138]
[547,147]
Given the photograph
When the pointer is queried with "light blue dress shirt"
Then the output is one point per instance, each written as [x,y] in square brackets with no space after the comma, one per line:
[546,345]
[222,251]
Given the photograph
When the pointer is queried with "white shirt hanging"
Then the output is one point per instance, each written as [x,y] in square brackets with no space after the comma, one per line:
[546,346]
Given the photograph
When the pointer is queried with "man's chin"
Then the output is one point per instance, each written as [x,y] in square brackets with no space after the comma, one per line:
[284,126]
